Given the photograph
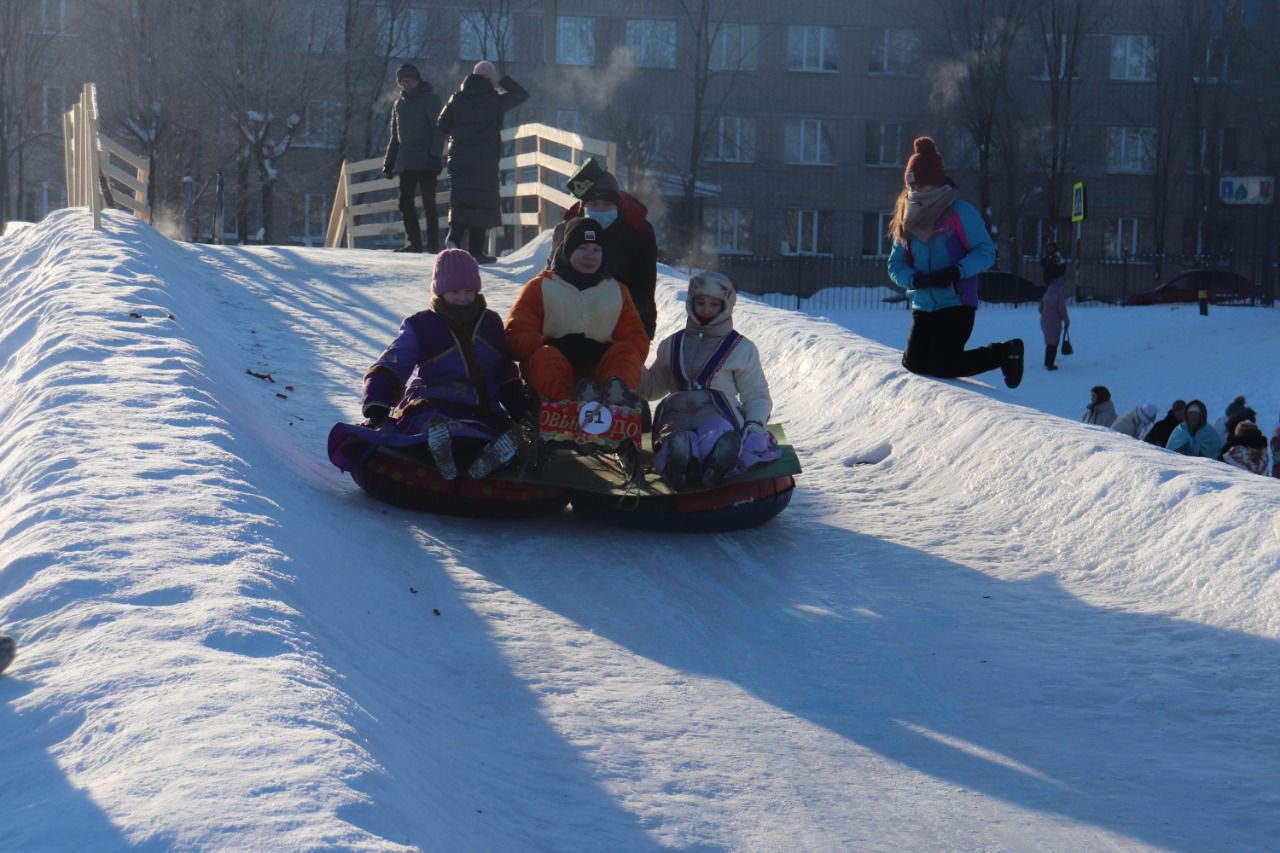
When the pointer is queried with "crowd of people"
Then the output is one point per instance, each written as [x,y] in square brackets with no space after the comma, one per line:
[1235,438]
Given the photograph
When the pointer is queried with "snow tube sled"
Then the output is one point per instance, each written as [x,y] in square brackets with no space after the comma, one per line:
[407,477]
[598,493]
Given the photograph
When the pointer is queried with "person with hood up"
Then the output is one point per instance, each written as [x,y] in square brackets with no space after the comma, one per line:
[1248,450]
[1163,428]
[447,381]
[630,247]
[712,425]
[1137,422]
[414,149]
[1237,410]
[940,245]
[472,119]
[1194,436]
[1054,320]
[575,330]
[1101,410]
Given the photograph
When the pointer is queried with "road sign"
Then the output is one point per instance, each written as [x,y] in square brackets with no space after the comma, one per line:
[1077,202]
[1247,190]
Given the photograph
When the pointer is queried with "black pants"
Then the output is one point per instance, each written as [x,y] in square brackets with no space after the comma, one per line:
[411,183]
[935,345]
[468,237]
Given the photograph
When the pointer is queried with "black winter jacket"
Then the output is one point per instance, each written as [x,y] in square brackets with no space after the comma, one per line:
[473,120]
[416,144]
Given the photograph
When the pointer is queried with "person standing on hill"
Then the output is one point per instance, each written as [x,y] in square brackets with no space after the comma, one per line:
[1054,320]
[630,247]
[940,245]
[414,149]
[473,121]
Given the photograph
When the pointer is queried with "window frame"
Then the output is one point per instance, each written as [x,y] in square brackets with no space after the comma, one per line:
[476,25]
[740,226]
[1125,164]
[748,55]
[638,51]
[821,227]
[586,25]
[820,135]
[745,128]
[819,66]
[882,48]
[1148,60]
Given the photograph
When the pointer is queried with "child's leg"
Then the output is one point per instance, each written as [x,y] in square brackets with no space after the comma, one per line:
[550,374]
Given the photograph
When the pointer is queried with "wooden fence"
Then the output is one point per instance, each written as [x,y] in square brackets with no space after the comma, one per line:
[541,161]
[100,171]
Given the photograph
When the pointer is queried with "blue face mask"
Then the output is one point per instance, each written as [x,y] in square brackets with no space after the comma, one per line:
[604,217]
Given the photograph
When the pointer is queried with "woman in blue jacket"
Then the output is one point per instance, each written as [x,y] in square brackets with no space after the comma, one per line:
[1194,436]
[940,244]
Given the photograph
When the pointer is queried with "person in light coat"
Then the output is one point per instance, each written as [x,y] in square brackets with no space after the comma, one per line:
[1101,410]
[712,424]
[1136,422]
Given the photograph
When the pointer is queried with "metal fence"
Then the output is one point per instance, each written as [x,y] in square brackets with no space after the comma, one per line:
[862,283]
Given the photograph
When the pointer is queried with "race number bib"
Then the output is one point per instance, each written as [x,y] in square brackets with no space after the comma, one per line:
[594,419]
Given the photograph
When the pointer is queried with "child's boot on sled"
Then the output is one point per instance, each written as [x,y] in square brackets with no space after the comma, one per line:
[441,447]
[496,453]
[675,469]
[722,458]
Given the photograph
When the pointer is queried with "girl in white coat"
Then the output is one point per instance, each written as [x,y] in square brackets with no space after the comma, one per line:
[712,425]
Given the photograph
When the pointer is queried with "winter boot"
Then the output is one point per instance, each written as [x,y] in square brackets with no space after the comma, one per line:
[1050,352]
[722,458]
[410,248]
[676,469]
[441,447]
[7,650]
[1011,364]
[586,390]
[616,393]
[496,453]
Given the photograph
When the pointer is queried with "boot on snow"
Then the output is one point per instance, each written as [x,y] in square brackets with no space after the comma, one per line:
[1050,352]
[441,447]
[1011,364]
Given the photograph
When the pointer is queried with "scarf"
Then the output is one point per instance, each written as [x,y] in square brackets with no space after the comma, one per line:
[923,209]
[462,321]
[580,280]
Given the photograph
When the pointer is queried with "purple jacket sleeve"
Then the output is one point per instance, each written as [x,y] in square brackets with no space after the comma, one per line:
[384,382]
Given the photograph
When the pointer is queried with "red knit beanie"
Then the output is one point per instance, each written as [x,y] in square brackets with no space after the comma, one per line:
[455,270]
[924,167]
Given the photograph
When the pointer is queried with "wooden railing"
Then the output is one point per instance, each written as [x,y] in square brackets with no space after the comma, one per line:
[554,153]
[100,171]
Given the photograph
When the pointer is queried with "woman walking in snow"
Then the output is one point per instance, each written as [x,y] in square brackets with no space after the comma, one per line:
[940,245]
[1054,320]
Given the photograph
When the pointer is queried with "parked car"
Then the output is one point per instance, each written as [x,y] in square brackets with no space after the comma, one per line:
[1003,286]
[1224,287]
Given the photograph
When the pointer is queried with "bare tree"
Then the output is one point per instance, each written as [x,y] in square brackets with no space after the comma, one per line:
[491,25]
[27,52]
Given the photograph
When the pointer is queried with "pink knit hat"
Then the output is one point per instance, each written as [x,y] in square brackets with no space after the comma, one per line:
[485,68]
[455,270]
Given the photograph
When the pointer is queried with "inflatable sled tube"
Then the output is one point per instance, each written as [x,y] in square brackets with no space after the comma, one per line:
[733,506]
[404,481]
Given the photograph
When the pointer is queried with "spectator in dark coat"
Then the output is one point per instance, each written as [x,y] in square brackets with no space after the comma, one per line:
[414,150]
[1163,428]
[1054,320]
[1237,410]
[473,120]
[630,247]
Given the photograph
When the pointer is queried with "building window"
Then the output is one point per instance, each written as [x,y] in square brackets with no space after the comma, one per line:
[52,17]
[811,48]
[1219,61]
[321,125]
[575,40]
[1056,49]
[732,140]
[1133,57]
[1120,238]
[887,144]
[54,104]
[402,32]
[876,241]
[315,218]
[895,52]
[807,142]
[651,44]
[808,232]
[484,36]
[1217,150]
[1131,149]
[736,47]
[726,230]
[662,137]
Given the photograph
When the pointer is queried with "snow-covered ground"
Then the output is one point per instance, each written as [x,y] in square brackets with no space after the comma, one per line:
[1005,631]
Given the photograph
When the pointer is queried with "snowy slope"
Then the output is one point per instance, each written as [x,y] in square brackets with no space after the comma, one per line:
[1008,631]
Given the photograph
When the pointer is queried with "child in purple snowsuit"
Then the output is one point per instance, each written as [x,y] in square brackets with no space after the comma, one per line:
[446,381]
[712,425]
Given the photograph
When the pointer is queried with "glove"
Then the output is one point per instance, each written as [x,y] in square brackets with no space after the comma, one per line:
[582,352]
[376,413]
[754,429]
[938,278]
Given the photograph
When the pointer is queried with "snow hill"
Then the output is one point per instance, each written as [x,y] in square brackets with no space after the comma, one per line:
[979,626]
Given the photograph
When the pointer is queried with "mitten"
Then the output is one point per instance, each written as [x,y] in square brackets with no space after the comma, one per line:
[946,277]
[376,413]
